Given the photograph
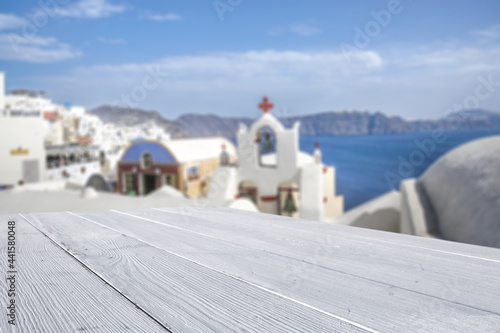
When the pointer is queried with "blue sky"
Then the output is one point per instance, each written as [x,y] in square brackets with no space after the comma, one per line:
[417,59]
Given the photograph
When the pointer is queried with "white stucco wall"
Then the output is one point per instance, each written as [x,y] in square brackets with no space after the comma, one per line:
[381,213]
[53,132]
[74,172]
[464,189]
[22,106]
[335,203]
[242,204]
[312,187]
[24,133]
[414,215]
[223,185]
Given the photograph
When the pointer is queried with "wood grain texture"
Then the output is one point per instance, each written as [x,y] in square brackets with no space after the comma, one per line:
[368,282]
[223,270]
[186,295]
[55,293]
[282,225]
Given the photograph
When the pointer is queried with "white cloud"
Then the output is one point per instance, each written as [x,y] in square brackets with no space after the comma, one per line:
[166,17]
[460,59]
[414,81]
[305,30]
[10,21]
[91,9]
[492,32]
[34,49]
[14,46]
[219,82]
[270,63]
[111,40]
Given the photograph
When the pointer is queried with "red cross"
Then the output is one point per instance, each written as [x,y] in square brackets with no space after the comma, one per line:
[265,105]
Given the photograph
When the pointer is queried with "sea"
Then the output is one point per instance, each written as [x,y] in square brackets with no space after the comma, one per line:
[368,166]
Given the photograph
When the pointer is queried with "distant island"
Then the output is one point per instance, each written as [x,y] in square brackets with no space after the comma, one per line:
[326,123]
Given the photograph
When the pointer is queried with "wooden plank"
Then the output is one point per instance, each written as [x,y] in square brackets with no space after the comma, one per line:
[55,293]
[217,217]
[304,244]
[389,282]
[270,229]
[187,295]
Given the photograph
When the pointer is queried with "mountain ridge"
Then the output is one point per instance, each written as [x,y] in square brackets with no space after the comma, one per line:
[346,122]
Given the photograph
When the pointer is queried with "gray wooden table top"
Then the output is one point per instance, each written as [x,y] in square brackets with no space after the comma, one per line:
[223,270]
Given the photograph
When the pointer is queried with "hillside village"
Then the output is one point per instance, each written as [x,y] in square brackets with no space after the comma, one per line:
[68,148]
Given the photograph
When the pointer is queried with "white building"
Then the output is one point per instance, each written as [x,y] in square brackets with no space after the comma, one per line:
[24,104]
[186,165]
[68,135]
[275,175]
[40,140]
[21,149]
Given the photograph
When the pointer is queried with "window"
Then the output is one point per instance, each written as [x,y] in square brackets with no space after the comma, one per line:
[147,161]
[248,189]
[102,157]
[130,183]
[193,173]
[224,158]
[171,180]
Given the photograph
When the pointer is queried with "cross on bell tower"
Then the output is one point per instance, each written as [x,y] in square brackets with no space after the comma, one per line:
[265,105]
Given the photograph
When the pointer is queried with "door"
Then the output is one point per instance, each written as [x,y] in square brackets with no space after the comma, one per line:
[31,173]
[149,183]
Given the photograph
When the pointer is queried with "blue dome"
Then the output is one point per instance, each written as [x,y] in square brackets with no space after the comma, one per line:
[159,153]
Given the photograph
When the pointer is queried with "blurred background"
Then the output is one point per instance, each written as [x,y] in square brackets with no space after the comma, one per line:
[366,79]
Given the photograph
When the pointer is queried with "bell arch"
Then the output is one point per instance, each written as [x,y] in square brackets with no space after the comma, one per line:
[248,189]
[267,146]
[289,199]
